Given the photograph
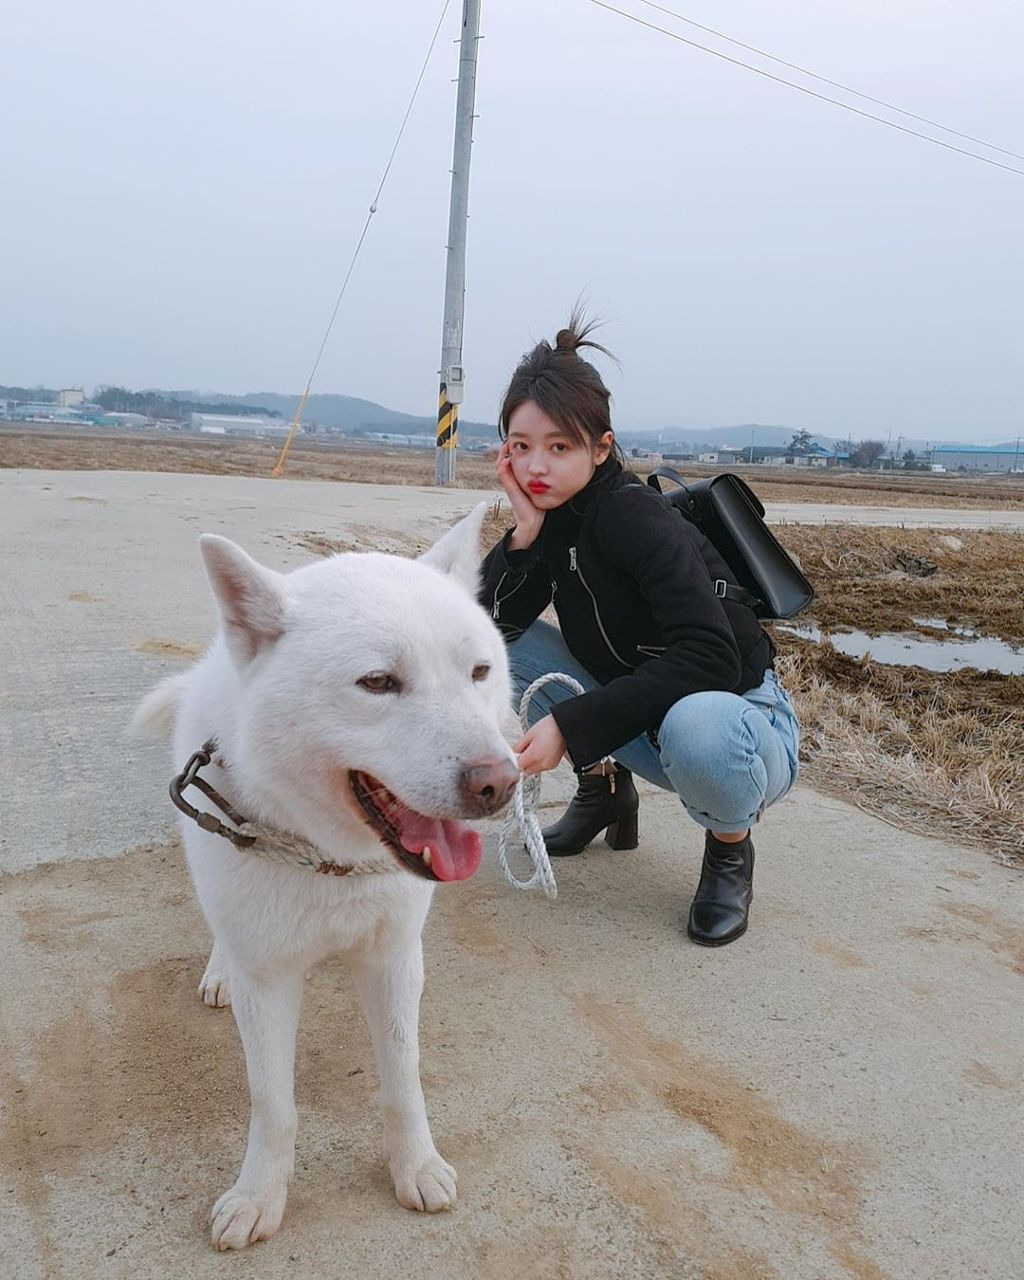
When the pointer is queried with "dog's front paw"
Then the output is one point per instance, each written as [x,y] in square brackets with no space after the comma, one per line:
[428,1187]
[213,988]
[237,1220]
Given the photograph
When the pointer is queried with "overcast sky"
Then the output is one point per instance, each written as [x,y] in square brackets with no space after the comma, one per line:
[183,185]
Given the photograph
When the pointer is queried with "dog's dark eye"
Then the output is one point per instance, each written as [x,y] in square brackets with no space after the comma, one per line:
[380,682]
[481,671]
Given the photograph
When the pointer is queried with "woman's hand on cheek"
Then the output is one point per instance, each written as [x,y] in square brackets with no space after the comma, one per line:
[528,518]
[541,748]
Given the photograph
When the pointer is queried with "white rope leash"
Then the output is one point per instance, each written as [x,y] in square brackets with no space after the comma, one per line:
[521,821]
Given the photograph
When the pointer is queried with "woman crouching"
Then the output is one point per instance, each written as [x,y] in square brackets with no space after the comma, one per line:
[679,686]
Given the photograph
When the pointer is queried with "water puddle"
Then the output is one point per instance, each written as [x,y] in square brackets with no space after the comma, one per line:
[940,624]
[904,649]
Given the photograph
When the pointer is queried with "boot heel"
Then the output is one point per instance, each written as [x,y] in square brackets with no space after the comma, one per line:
[623,834]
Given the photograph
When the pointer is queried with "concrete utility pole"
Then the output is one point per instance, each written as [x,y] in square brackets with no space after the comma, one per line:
[450,394]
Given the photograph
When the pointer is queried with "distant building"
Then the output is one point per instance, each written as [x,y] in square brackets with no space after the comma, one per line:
[421,440]
[719,456]
[814,456]
[770,455]
[225,424]
[122,420]
[39,410]
[70,397]
[980,459]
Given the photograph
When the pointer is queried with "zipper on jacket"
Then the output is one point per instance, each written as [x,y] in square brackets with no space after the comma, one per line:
[600,625]
[496,606]
[499,600]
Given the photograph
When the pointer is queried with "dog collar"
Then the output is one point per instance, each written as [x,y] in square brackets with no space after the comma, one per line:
[255,837]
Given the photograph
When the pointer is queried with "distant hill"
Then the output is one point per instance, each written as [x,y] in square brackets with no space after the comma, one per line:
[738,437]
[39,395]
[694,438]
[348,413]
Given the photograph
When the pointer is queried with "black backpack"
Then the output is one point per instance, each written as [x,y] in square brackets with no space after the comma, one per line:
[729,513]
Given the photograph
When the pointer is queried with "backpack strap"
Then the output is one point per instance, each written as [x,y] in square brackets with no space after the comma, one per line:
[683,499]
[670,473]
[724,590]
[730,591]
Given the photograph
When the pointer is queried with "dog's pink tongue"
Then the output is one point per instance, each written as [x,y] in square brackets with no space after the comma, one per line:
[454,848]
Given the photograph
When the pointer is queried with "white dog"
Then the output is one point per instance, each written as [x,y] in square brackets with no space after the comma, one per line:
[357,707]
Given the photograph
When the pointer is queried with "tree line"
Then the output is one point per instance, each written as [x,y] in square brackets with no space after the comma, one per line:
[156,405]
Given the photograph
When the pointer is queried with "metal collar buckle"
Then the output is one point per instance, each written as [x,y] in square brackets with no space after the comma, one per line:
[189,777]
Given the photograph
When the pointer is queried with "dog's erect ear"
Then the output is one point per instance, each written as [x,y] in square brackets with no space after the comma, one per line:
[251,598]
[458,552]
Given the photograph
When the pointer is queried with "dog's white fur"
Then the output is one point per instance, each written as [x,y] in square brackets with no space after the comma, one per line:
[278,689]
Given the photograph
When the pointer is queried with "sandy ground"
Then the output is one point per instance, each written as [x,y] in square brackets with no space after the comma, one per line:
[837,1095]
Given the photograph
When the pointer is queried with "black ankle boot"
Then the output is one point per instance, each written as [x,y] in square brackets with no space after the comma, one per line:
[722,901]
[600,801]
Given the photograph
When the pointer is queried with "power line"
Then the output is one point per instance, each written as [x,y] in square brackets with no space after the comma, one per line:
[836,84]
[279,465]
[891,124]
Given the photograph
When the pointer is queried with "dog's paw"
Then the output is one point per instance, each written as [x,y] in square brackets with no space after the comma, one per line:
[213,988]
[237,1220]
[429,1187]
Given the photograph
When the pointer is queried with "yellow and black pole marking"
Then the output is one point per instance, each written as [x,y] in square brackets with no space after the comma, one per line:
[447,437]
[447,420]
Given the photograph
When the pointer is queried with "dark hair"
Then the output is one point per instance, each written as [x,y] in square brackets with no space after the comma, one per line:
[569,390]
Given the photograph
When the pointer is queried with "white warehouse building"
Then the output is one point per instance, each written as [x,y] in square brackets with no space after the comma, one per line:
[225,424]
[954,458]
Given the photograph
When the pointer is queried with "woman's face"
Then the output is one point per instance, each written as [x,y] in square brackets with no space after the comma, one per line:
[549,466]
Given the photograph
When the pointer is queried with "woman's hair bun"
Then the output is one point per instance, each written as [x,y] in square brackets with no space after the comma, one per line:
[567,339]
[577,333]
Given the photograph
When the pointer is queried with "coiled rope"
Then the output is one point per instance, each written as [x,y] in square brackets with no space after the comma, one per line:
[521,822]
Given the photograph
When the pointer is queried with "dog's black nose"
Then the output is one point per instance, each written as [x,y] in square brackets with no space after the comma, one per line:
[489,786]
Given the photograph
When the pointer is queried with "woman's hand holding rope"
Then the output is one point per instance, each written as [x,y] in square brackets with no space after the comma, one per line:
[541,748]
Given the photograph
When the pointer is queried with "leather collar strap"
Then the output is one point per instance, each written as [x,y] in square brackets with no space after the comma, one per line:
[253,837]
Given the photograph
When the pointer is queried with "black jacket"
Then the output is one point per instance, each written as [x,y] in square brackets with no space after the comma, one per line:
[633,586]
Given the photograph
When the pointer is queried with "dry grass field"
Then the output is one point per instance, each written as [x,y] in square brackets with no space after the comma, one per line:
[933,751]
[40,447]
[881,579]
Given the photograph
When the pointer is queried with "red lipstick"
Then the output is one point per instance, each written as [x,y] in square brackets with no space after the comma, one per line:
[537,486]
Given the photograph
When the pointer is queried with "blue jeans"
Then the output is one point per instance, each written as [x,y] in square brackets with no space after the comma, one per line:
[726,756]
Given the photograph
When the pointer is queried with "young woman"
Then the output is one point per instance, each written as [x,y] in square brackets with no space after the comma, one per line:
[678,681]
